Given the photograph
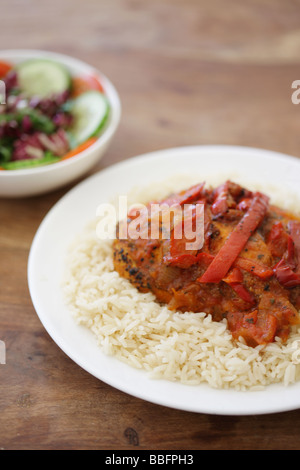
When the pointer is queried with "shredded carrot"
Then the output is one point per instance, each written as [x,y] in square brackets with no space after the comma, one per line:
[80,148]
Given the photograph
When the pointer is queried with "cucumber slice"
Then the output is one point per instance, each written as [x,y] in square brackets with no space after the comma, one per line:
[42,78]
[25,164]
[90,111]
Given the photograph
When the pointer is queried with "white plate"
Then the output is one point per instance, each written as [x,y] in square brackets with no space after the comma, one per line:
[69,217]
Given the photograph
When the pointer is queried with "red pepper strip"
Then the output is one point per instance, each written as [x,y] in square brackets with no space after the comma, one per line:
[277,240]
[227,196]
[259,270]
[186,261]
[180,254]
[294,228]
[185,197]
[178,245]
[181,261]
[220,205]
[243,293]
[234,279]
[285,275]
[291,255]
[205,258]
[284,269]
[237,240]
[234,276]
[281,244]
[244,204]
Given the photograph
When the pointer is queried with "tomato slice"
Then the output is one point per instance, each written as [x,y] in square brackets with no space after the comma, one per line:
[237,240]
[4,69]
[82,84]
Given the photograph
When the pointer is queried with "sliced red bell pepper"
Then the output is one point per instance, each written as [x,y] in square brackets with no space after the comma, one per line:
[235,280]
[291,255]
[181,261]
[205,258]
[227,196]
[285,270]
[180,253]
[185,197]
[237,240]
[244,204]
[220,205]
[243,293]
[187,260]
[178,246]
[259,270]
[294,228]
[277,240]
[285,275]
[235,276]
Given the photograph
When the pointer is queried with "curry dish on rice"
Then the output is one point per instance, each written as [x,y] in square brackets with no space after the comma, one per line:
[248,270]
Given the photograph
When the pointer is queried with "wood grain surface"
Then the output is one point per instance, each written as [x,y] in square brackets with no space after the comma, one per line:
[188,72]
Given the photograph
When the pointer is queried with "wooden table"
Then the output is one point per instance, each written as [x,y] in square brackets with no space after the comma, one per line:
[188,72]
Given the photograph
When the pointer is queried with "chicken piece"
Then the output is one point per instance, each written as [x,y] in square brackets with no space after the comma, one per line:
[235,275]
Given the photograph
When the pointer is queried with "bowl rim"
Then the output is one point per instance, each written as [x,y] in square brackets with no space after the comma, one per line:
[110,92]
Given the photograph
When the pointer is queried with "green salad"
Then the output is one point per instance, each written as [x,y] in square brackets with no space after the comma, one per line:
[47,115]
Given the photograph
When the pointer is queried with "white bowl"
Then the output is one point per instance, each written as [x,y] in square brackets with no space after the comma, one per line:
[40,180]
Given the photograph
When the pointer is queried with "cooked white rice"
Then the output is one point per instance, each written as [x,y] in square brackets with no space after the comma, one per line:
[185,347]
